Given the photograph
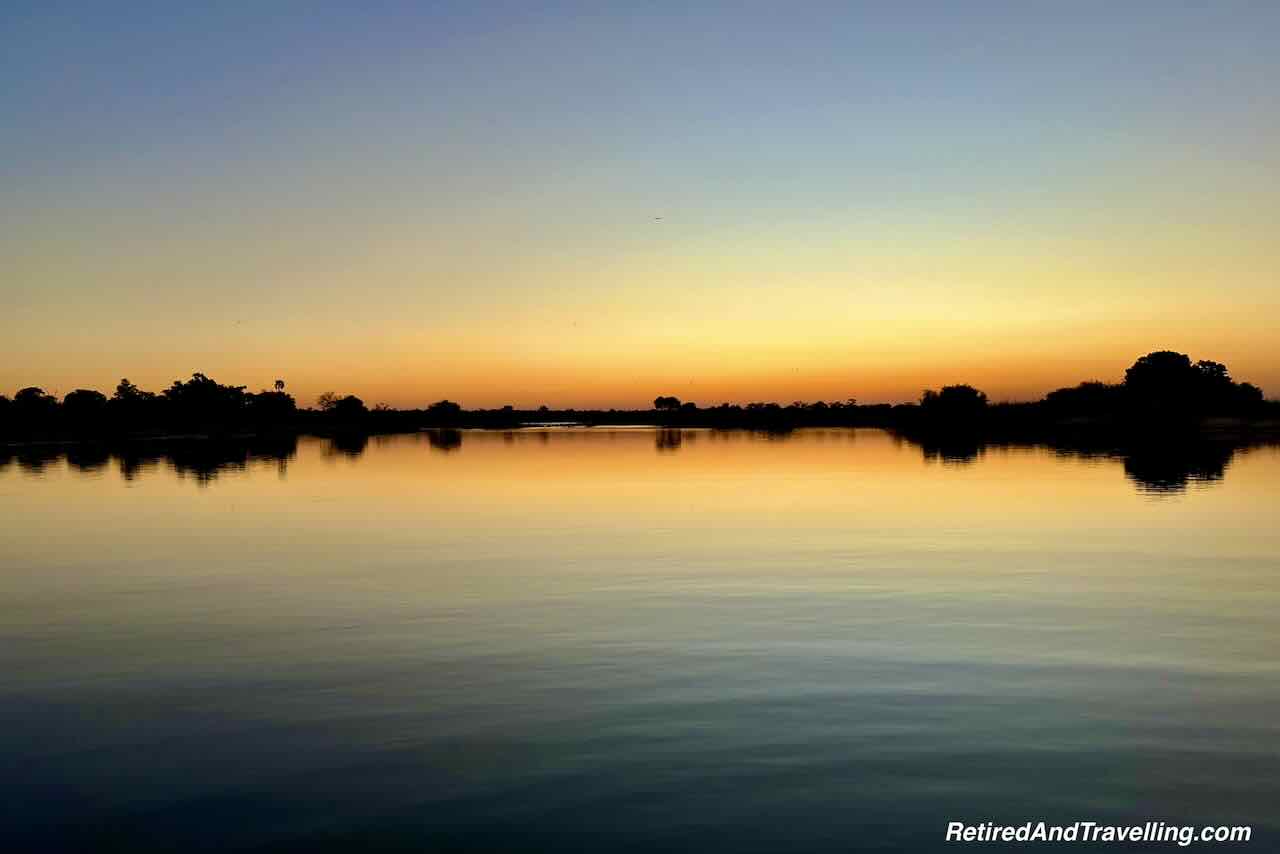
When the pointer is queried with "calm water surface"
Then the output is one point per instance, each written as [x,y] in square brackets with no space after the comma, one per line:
[614,640]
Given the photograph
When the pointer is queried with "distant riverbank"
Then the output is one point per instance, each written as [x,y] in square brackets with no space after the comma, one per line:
[1164,394]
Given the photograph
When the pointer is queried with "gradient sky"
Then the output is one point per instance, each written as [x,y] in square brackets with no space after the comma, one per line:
[410,201]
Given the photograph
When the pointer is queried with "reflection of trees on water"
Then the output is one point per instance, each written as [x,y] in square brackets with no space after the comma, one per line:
[1155,467]
[134,461]
[202,459]
[1165,466]
[1170,466]
[34,460]
[346,445]
[1171,470]
[444,440]
[665,441]
[88,458]
[953,452]
[206,460]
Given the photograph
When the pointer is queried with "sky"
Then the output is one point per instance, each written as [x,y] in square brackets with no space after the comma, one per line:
[590,204]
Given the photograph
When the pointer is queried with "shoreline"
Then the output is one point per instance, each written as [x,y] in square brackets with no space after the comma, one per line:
[991,432]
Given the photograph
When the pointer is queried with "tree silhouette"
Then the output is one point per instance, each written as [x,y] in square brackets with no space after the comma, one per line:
[33,396]
[444,413]
[1161,381]
[33,406]
[126,390]
[272,406]
[201,399]
[1213,372]
[953,401]
[130,406]
[348,407]
[1165,382]
[84,408]
[445,407]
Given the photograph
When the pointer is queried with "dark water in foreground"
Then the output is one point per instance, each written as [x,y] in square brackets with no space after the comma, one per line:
[629,640]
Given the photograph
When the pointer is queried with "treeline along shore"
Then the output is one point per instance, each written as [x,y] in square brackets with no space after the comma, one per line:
[1162,392]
